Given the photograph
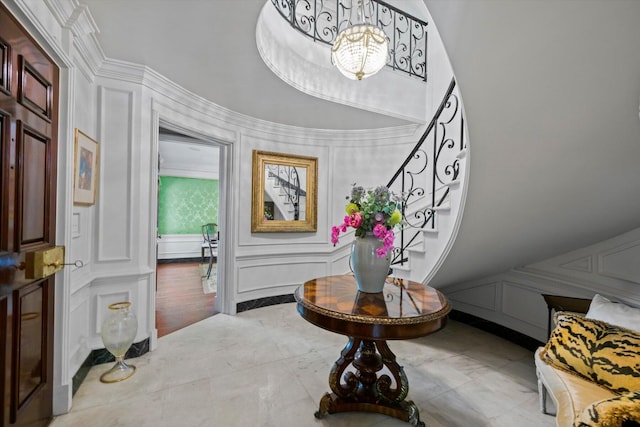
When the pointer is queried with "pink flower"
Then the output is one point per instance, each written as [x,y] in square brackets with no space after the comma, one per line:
[335,232]
[355,220]
[380,231]
[381,251]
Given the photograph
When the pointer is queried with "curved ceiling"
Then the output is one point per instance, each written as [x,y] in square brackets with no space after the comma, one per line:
[209,48]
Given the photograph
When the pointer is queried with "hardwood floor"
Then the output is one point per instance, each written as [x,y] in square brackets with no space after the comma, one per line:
[180,300]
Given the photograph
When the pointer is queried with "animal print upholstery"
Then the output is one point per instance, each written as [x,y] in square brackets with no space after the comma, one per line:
[605,354]
[619,411]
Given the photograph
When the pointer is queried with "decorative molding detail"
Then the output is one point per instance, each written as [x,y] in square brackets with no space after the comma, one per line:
[33,20]
[621,262]
[75,225]
[116,143]
[512,296]
[228,119]
[83,29]
[268,275]
[615,276]
[583,264]
[483,296]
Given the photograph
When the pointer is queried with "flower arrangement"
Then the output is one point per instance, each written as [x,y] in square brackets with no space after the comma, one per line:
[371,210]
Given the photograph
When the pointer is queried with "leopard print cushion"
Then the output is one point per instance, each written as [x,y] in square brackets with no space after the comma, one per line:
[619,411]
[605,354]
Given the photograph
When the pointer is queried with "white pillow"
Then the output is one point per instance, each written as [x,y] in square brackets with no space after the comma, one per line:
[614,313]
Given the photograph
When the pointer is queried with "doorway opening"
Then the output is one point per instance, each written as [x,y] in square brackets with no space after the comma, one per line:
[187,236]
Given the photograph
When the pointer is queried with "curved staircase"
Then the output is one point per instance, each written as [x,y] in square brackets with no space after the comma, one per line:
[433,178]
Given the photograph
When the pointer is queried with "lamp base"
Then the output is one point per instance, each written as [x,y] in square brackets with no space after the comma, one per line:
[119,372]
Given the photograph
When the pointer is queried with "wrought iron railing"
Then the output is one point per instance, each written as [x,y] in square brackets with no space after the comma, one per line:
[322,20]
[289,181]
[437,167]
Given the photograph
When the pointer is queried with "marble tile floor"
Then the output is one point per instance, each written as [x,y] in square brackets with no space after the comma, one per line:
[268,367]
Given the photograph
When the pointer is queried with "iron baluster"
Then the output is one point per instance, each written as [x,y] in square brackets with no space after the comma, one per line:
[442,169]
[322,23]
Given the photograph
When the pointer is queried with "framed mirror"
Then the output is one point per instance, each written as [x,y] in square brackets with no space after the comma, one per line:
[284,193]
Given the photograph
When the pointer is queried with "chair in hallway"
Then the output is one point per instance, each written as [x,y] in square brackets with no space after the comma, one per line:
[210,236]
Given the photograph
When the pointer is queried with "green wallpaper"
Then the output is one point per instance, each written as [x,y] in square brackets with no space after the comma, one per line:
[185,204]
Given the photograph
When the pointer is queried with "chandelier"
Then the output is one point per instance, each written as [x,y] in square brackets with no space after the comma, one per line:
[360,50]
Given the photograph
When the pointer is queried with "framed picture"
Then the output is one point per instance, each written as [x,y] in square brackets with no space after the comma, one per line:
[284,193]
[85,169]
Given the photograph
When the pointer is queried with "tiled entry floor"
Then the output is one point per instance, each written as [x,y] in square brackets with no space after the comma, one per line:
[269,367]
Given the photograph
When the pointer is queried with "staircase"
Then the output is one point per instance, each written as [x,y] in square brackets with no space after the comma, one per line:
[433,178]
[432,181]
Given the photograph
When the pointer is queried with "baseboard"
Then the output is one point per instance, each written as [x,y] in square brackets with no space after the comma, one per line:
[179,260]
[264,302]
[503,332]
[102,355]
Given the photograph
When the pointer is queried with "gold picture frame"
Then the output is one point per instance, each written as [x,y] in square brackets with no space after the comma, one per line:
[85,169]
[284,193]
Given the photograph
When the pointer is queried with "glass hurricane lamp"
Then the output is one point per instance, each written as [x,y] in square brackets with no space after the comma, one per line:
[119,329]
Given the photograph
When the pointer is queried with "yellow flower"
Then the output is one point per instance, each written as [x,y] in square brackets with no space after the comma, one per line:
[395,218]
[352,208]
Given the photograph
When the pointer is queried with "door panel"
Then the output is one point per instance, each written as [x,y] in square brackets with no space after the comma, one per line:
[5,375]
[29,346]
[28,175]
[5,67]
[33,150]
[34,91]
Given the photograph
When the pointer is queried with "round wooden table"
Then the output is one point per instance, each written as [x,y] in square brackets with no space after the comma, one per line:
[403,310]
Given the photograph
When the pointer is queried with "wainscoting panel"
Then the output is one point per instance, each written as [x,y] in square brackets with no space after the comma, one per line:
[582,264]
[621,263]
[115,204]
[79,330]
[278,273]
[609,268]
[484,296]
[523,303]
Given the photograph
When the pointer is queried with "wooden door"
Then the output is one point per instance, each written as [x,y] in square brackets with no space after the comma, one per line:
[28,153]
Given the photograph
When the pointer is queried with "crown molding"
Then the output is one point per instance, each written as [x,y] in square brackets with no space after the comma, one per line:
[151,79]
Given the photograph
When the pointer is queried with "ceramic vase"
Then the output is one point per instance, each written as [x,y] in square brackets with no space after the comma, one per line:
[119,329]
[370,270]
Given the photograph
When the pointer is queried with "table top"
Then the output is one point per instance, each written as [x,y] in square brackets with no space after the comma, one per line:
[403,310]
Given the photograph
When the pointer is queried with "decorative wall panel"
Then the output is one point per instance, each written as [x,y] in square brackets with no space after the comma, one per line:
[622,263]
[280,273]
[482,296]
[115,203]
[524,304]
[584,264]
[609,268]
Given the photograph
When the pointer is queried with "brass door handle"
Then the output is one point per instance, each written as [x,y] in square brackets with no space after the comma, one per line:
[44,263]
[78,263]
